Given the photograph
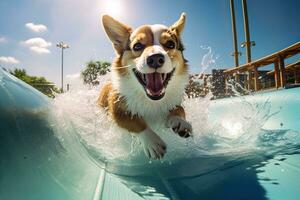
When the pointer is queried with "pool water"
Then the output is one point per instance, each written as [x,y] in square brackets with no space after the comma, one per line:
[67,148]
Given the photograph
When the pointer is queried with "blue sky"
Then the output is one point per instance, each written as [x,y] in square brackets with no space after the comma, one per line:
[274,24]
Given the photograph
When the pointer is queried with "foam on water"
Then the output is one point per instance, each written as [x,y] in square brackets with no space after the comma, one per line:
[239,131]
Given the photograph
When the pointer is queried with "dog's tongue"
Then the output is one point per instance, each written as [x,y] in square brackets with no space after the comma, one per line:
[154,83]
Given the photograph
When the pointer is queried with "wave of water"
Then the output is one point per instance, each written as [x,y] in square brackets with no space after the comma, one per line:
[239,131]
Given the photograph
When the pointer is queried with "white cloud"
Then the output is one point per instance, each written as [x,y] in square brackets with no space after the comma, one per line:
[2,39]
[9,60]
[73,76]
[38,28]
[38,45]
[39,50]
[39,42]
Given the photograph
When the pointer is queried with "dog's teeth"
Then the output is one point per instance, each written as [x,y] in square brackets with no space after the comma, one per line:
[163,76]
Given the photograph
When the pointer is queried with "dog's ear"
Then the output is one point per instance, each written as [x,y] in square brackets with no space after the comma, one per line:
[179,25]
[117,32]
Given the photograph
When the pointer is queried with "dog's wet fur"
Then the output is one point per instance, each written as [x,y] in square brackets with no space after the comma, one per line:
[149,75]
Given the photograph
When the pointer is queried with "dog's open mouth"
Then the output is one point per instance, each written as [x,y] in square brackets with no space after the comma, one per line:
[154,83]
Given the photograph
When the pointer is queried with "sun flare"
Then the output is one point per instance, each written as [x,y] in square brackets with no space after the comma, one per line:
[113,7]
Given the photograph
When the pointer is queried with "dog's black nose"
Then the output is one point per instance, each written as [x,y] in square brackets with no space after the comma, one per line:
[156,60]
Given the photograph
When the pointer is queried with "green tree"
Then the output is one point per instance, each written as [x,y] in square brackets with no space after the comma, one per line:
[39,83]
[93,70]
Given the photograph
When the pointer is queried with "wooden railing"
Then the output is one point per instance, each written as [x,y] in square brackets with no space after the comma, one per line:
[252,73]
[291,68]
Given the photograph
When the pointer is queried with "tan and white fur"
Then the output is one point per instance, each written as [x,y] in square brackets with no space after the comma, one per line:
[149,75]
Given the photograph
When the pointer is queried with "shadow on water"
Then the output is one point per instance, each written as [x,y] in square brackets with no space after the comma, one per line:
[236,180]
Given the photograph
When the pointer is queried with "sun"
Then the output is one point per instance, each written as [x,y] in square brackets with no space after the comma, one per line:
[112,7]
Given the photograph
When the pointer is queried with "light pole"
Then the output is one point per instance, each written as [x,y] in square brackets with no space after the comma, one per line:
[236,52]
[248,43]
[63,46]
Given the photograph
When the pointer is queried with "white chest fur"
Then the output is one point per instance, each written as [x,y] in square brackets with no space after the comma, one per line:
[137,101]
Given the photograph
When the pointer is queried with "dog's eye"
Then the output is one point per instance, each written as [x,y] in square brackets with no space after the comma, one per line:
[138,46]
[170,44]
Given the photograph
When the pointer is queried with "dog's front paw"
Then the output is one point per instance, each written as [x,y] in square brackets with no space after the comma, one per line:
[180,126]
[154,147]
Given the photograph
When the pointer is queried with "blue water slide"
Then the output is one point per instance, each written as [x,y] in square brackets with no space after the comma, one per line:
[41,158]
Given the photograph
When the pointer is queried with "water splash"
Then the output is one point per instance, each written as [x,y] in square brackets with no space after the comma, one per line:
[239,131]
[208,60]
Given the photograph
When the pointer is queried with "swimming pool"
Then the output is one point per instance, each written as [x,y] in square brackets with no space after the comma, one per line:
[251,152]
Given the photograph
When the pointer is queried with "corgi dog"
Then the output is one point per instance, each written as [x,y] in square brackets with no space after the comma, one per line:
[149,75]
